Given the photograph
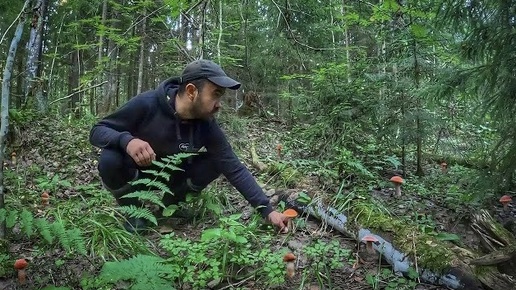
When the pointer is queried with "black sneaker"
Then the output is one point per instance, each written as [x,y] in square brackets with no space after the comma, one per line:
[135,225]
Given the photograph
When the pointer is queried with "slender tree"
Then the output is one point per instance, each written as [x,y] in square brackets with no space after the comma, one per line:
[4,111]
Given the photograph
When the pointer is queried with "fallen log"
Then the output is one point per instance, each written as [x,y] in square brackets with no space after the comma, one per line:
[455,273]
[443,264]
[498,268]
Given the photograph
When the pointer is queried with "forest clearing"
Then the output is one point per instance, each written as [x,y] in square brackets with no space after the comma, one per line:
[384,132]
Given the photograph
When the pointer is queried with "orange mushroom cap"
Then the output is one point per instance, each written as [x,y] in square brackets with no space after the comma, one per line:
[290,213]
[45,195]
[369,238]
[396,179]
[20,264]
[279,147]
[505,199]
[289,257]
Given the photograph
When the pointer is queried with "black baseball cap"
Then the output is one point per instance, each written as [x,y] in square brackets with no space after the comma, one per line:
[207,69]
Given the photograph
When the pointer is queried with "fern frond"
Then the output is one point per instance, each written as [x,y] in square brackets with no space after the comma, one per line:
[174,168]
[143,181]
[137,212]
[159,164]
[44,229]
[162,174]
[3,214]
[144,195]
[12,218]
[77,241]
[144,271]
[159,185]
[26,222]
[59,230]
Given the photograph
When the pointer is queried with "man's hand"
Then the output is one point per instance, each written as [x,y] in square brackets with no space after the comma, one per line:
[280,220]
[141,152]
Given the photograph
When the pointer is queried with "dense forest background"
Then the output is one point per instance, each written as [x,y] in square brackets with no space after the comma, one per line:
[421,81]
[348,93]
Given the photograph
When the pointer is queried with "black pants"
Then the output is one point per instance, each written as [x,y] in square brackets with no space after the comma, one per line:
[117,169]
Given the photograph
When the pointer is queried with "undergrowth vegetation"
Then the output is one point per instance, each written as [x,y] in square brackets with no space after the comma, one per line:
[225,249]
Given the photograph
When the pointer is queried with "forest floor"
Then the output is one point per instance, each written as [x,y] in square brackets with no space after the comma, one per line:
[59,159]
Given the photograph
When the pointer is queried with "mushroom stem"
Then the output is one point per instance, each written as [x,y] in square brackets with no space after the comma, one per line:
[369,247]
[397,186]
[505,207]
[22,276]
[291,269]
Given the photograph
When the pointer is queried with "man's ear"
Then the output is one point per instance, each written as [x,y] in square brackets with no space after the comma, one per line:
[191,91]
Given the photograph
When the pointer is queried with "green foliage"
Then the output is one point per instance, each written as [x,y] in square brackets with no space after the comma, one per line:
[70,239]
[5,264]
[221,251]
[142,272]
[155,188]
[386,279]
[53,184]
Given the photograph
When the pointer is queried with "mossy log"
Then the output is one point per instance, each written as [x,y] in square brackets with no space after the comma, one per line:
[445,264]
[497,269]
[439,262]
[255,160]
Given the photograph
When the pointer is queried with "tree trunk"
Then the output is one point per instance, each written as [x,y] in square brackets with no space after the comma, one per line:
[73,82]
[100,54]
[141,63]
[4,111]
[33,83]
[18,101]
[220,34]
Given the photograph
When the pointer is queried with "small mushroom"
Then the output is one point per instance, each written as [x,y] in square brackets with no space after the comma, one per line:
[20,265]
[45,198]
[279,147]
[13,158]
[505,200]
[369,240]
[289,258]
[291,214]
[444,167]
[397,181]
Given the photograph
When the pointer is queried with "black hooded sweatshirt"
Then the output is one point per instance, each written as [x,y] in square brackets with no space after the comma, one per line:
[151,116]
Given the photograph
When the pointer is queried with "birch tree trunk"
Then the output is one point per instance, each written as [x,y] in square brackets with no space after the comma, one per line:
[4,110]
[33,83]
[100,54]
[141,64]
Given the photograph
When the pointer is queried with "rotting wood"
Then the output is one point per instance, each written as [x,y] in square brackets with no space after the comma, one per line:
[255,160]
[497,269]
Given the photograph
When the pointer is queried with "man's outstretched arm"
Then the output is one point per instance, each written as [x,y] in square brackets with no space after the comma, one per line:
[240,177]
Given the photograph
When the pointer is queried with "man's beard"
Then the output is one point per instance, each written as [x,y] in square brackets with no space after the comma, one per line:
[198,112]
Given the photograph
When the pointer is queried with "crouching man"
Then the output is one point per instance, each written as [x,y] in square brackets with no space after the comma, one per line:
[177,116]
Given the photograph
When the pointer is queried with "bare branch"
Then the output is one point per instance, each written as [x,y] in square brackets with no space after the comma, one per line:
[79,91]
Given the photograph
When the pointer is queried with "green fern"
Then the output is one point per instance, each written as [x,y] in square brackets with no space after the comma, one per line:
[59,231]
[152,184]
[137,212]
[162,174]
[70,239]
[26,222]
[43,227]
[77,240]
[144,195]
[143,271]
[3,214]
[12,218]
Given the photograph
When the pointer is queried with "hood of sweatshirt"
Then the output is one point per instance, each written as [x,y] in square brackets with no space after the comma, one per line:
[167,91]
